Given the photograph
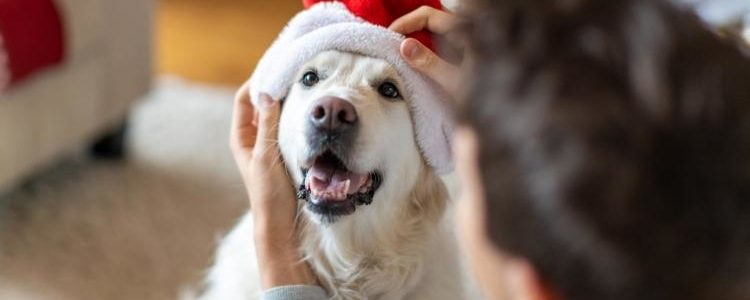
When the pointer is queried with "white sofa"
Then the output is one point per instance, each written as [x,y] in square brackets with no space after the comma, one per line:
[108,65]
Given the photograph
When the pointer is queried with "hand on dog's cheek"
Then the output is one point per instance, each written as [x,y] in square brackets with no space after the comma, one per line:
[499,275]
[254,145]
[272,198]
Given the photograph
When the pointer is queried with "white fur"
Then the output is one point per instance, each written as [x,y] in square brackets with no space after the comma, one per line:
[398,247]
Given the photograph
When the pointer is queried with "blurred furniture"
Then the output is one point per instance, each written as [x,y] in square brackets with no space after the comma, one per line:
[83,100]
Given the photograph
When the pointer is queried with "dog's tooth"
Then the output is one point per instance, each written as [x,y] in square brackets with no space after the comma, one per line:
[347,184]
[338,187]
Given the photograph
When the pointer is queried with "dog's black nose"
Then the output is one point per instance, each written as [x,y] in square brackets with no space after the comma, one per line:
[333,114]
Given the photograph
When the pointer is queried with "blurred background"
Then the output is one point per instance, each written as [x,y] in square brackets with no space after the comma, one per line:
[116,181]
[217,41]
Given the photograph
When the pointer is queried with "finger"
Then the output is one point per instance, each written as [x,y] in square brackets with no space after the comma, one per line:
[243,131]
[424,60]
[242,107]
[268,125]
[425,17]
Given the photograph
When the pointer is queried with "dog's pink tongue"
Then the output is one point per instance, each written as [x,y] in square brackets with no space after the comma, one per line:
[333,183]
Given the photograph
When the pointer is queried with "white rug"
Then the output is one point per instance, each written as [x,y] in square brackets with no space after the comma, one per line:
[139,229]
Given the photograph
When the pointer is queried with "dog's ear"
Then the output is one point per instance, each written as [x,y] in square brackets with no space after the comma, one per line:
[430,195]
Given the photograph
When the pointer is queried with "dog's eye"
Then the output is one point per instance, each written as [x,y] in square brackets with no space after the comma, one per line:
[389,90]
[310,78]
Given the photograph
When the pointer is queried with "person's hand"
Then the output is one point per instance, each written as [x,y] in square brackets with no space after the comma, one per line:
[273,203]
[254,145]
[418,55]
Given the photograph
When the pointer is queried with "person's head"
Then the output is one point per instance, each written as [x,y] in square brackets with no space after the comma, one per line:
[605,152]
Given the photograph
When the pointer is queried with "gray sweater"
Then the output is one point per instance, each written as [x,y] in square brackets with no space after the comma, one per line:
[295,292]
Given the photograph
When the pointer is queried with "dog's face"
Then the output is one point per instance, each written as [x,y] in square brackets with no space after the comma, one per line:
[346,135]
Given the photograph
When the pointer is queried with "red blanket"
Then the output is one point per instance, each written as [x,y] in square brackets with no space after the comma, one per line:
[31,38]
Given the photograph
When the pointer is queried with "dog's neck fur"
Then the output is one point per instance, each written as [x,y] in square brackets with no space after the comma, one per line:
[378,259]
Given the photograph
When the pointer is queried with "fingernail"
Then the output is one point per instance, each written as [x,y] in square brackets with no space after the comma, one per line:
[265,101]
[411,48]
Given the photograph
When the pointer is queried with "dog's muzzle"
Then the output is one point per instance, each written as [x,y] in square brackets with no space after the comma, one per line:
[329,186]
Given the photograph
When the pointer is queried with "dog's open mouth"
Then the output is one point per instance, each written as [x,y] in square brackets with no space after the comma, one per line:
[331,189]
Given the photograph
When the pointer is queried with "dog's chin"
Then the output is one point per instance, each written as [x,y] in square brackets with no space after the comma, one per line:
[331,190]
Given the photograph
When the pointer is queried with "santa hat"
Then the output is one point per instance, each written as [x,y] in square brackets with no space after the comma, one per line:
[359,26]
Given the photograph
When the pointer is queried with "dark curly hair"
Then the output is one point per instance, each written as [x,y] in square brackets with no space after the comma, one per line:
[614,146]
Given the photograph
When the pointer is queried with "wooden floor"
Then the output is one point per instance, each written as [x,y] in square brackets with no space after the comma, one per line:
[217,41]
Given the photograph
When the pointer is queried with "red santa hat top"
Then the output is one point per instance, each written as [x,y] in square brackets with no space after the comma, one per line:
[384,12]
[360,26]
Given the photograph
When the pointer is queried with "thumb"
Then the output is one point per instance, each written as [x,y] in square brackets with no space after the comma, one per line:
[424,60]
[268,124]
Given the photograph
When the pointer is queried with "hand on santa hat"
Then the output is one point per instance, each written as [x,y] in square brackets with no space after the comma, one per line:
[421,57]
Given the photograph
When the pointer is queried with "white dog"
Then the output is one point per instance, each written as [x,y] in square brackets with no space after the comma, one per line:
[372,217]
